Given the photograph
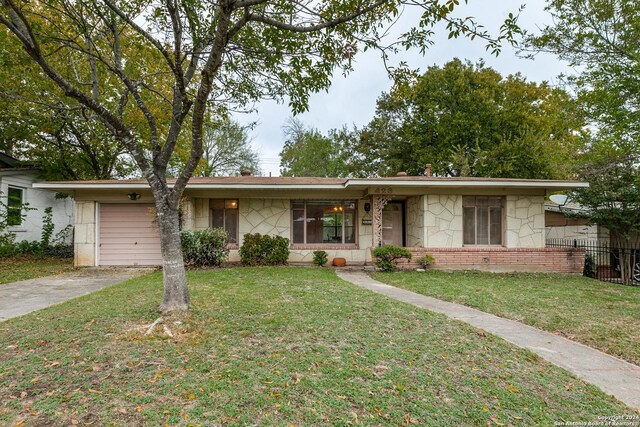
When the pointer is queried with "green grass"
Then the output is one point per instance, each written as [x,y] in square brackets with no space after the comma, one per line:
[23,267]
[273,346]
[602,315]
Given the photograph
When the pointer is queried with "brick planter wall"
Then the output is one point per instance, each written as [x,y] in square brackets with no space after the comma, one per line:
[543,260]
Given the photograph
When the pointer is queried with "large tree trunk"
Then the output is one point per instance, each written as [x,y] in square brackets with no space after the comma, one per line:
[176,294]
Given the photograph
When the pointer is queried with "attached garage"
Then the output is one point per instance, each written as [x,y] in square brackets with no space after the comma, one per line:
[128,235]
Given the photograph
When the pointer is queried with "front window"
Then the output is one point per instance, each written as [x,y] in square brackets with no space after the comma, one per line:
[324,221]
[224,214]
[482,220]
[14,206]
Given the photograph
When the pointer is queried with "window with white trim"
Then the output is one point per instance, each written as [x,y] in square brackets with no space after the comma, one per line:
[224,214]
[482,220]
[323,221]
[14,206]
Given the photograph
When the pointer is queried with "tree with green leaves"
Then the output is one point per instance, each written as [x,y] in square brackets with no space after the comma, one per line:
[469,120]
[216,56]
[226,151]
[612,199]
[601,39]
[307,152]
[56,134]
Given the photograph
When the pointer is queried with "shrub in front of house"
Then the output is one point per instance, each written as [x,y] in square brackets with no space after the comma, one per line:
[50,244]
[426,261]
[204,248]
[387,257]
[320,258]
[590,268]
[258,249]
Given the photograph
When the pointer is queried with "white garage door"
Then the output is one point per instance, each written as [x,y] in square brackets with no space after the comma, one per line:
[128,235]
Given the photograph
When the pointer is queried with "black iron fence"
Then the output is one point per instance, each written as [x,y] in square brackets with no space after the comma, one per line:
[605,261]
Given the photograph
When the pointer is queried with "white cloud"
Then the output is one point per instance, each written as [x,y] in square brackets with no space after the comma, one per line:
[352,99]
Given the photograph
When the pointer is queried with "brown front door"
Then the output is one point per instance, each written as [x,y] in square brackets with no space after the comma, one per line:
[392,224]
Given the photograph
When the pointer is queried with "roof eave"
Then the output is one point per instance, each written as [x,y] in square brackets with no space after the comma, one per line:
[472,183]
[142,186]
[349,184]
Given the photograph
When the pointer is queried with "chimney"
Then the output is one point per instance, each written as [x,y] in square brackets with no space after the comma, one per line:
[245,172]
[427,171]
[401,174]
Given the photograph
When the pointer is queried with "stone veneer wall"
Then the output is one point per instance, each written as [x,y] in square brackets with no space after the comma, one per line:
[84,235]
[415,221]
[273,217]
[443,221]
[525,222]
[500,259]
[265,216]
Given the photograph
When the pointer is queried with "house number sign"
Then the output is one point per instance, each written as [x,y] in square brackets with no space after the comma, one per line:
[383,190]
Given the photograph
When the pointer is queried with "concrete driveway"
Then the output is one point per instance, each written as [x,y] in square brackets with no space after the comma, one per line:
[23,297]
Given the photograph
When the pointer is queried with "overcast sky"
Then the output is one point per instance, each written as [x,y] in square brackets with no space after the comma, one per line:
[352,99]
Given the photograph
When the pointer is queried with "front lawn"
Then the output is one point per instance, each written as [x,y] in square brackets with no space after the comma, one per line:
[602,315]
[273,346]
[23,267]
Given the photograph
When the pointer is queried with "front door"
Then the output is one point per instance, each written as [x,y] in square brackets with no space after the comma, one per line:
[392,224]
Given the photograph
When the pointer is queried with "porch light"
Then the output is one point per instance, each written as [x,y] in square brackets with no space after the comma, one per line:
[133,196]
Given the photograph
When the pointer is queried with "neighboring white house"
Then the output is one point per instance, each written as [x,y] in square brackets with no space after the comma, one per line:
[16,189]
[560,223]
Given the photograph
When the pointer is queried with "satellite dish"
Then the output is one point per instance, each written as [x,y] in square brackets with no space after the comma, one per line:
[560,199]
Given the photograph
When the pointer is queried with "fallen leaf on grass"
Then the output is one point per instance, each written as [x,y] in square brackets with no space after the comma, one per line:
[512,389]
[296,378]
[496,422]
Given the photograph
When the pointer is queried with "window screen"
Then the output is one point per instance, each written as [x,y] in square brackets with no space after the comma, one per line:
[323,221]
[224,214]
[482,220]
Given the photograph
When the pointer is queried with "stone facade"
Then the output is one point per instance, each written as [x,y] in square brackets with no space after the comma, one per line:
[442,221]
[524,222]
[84,235]
[433,222]
[415,221]
[265,216]
[273,217]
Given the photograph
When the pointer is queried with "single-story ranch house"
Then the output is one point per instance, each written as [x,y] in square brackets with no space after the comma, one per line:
[479,223]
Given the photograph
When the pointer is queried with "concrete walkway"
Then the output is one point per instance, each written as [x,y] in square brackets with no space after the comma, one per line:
[23,297]
[614,376]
